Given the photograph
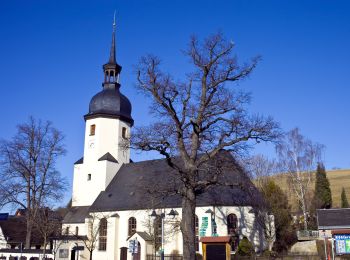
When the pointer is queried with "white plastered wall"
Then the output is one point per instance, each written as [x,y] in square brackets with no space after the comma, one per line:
[117,234]
[3,242]
[107,138]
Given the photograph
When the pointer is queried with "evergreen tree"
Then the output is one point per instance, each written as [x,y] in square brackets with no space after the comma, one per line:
[278,206]
[344,199]
[323,194]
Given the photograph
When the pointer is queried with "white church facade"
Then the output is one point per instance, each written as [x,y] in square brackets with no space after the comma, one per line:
[113,198]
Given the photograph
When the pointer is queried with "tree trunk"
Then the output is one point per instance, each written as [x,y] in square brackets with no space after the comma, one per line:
[305,220]
[28,213]
[303,206]
[28,233]
[90,255]
[188,224]
[44,250]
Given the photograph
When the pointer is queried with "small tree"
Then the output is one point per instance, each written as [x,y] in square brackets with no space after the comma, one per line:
[344,199]
[48,223]
[278,206]
[298,157]
[29,178]
[56,246]
[97,223]
[260,168]
[323,195]
[245,248]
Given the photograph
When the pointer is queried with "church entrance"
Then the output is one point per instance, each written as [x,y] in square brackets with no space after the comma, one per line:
[72,254]
[123,253]
[137,256]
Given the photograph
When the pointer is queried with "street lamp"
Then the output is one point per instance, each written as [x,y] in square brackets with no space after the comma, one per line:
[173,213]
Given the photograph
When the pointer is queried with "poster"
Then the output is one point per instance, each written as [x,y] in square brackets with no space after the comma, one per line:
[342,244]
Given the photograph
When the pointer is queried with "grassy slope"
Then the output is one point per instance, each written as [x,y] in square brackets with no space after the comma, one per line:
[337,178]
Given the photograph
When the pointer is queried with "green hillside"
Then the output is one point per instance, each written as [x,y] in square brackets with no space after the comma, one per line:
[337,178]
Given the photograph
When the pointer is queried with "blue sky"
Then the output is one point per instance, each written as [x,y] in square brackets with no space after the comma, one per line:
[51,53]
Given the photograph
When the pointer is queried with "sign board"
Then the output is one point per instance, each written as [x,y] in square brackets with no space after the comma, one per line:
[342,244]
[204,227]
[216,252]
[63,253]
[133,246]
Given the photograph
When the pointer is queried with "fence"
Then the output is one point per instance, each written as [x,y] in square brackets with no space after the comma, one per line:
[166,257]
[280,257]
[307,235]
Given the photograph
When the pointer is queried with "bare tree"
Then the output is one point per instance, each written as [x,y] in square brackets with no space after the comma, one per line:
[97,224]
[48,223]
[260,168]
[198,117]
[298,157]
[29,178]
[57,242]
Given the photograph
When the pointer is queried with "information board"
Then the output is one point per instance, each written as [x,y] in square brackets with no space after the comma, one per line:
[216,252]
[342,244]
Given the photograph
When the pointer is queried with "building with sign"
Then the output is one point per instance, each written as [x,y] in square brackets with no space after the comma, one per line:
[334,224]
[114,199]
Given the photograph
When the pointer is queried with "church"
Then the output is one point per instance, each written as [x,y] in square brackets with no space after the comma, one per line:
[114,216]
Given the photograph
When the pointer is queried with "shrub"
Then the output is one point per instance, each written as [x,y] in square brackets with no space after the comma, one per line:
[245,248]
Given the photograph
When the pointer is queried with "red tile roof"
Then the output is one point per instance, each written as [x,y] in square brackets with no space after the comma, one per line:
[223,239]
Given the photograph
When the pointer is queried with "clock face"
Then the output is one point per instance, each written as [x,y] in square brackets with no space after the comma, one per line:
[92,145]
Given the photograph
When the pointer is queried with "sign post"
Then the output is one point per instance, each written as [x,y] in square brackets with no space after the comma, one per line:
[324,235]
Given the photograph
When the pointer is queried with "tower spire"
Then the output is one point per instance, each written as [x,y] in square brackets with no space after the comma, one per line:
[112,68]
[112,58]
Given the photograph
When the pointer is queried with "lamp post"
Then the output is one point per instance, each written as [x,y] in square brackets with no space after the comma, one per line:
[154,215]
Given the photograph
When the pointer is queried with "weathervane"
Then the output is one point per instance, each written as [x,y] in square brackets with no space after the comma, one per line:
[114,24]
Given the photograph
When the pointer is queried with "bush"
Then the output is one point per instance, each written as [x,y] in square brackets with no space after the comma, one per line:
[199,256]
[245,248]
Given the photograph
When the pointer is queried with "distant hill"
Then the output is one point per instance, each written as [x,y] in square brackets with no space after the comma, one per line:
[337,178]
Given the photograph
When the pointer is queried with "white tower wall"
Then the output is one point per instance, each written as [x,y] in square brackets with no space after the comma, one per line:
[93,176]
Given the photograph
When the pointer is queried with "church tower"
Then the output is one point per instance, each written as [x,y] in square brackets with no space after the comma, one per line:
[107,131]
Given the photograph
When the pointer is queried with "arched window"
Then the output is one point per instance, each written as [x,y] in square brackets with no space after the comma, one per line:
[196,224]
[102,243]
[132,226]
[76,230]
[231,224]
